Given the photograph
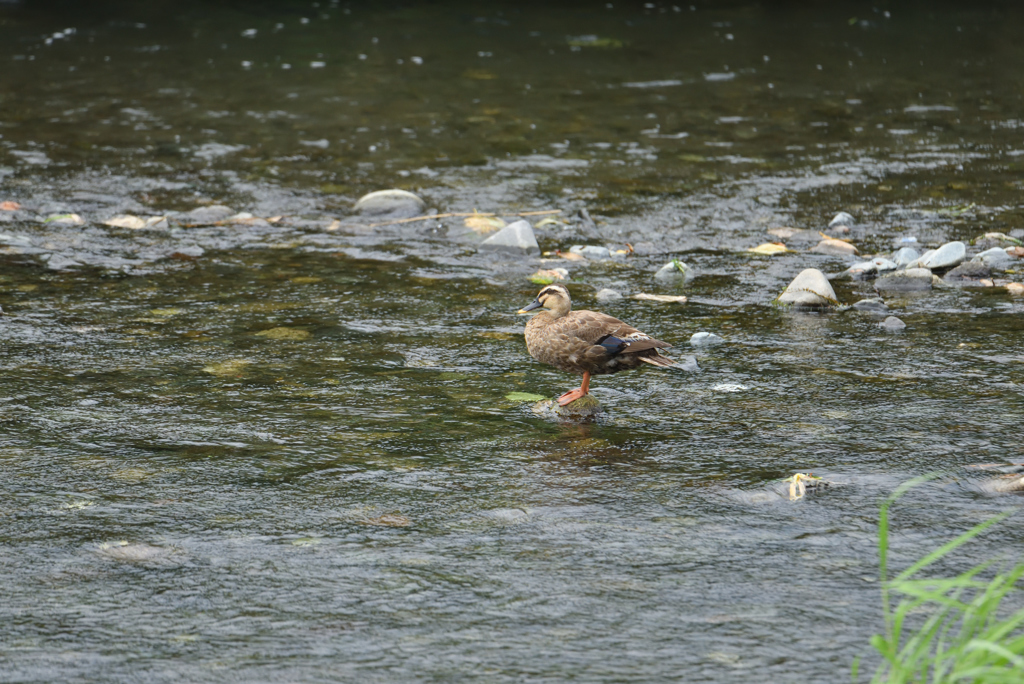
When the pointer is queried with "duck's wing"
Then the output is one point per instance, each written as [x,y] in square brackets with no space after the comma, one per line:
[616,337]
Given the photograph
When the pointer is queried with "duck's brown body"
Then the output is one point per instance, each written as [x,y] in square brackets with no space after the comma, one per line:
[586,342]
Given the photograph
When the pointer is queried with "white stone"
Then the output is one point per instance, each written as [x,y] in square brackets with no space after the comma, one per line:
[516,237]
[606,294]
[809,289]
[705,339]
[399,203]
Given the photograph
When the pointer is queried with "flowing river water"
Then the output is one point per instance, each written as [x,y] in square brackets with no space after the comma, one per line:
[283,451]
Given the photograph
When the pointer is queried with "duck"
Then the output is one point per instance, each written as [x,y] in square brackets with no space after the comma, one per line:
[586,342]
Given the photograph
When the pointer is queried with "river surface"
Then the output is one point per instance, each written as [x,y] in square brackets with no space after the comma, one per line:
[283,451]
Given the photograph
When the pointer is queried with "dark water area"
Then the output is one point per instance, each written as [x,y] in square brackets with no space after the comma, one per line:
[283,450]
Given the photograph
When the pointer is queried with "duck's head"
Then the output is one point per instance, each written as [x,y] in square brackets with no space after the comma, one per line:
[553,297]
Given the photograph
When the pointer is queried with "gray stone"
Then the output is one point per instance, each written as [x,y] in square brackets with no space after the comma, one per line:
[910,280]
[968,270]
[842,219]
[517,238]
[606,295]
[946,256]
[893,323]
[905,256]
[591,252]
[392,203]
[705,339]
[864,270]
[996,259]
[208,215]
[675,271]
[873,305]
[810,289]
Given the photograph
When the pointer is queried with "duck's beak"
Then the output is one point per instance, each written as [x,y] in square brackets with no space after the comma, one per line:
[535,304]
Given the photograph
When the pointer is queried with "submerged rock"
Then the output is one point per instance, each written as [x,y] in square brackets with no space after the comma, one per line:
[1015,289]
[606,295]
[517,238]
[705,339]
[206,215]
[810,289]
[910,280]
[873,305]
[394,203]
[675,271]
[893,323]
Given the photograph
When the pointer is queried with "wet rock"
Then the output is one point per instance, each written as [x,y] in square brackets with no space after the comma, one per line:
[606,295]
[65,220]
[883,265]
[516,238]
[905,256]
[969,270]
[203,216]
[995,240]
[945,257]
[705,339]
[59,262]
[910,280]
[675,271]
[584,407]
[810,289]
[834,247]
[997,259]
[1015,289]
[591,252]
[893,323]
[187,252]
[873,305]
[687,364]
[842,219]
[135,553]
[864,270]
[15,240]
[393,203]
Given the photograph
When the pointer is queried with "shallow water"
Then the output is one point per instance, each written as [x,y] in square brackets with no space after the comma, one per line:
[283,451]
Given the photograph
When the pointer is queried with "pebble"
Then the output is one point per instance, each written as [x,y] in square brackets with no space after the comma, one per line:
[910,280]
[607,294]
[675,271]
[517,238]
[946,256]
[872,305]
[705,339]
[842,219]
[591,252]
[810,289]
[394,203]
[893,323]
[834,248]
[996,258]
[905,256]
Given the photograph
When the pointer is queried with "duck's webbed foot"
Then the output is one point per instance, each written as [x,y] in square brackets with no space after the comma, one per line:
[571,396]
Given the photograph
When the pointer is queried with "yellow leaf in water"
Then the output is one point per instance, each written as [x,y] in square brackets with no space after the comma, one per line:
[232,367]
[548,222]
[335,225]
[769,248]
[126,221]
[306,280]
[283,333]
[483,224]
[166,312]
[479,75]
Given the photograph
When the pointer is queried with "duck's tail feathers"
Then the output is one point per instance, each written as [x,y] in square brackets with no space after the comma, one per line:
[658,360]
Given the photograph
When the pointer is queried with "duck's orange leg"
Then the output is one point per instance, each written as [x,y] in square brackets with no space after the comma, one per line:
[575,394]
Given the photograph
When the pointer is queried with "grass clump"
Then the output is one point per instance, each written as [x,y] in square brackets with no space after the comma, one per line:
[964,637]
